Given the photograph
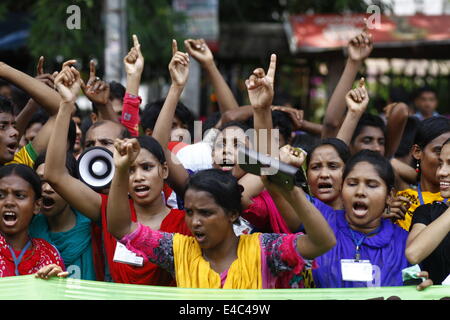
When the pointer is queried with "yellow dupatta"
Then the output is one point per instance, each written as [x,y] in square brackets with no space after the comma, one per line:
[193,271]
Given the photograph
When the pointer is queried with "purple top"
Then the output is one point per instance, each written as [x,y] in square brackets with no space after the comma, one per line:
[279,255]
[385,250]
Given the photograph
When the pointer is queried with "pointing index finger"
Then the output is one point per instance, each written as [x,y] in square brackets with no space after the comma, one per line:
[92,69]
[272,66]
[174,47]
[68,63]
[137,45]
[40,66]
[362,82]
[136,41]
[365,28]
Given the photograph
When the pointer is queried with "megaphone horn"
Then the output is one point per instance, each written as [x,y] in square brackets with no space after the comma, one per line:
[96,168]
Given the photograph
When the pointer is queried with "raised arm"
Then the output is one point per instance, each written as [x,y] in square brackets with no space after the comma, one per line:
[397,117]
[179,71]
[46,97]
[359,48]
[134,66]
[260,92]
[75,192]
[24,117]
[357,100]
[242,114]
[200,51]
[424,239]
[97,91]
[118,211]
[40,141]
[404,171]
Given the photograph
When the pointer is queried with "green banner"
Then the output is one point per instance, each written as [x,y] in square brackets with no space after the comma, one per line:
[31,288]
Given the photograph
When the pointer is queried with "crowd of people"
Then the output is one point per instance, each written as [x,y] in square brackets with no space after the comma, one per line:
[180,212]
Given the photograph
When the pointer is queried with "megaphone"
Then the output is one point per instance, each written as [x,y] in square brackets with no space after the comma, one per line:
[279,172]
[96,167]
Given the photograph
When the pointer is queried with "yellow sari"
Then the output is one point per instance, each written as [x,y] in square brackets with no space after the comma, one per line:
[193,271]
[413,196]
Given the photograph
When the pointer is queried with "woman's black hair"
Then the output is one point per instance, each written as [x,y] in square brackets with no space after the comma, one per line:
[152,145]
[222,186]
[408,137]
[446,142]
[26,173]
[380,163]
[71,163]
[339,145]
[431,128]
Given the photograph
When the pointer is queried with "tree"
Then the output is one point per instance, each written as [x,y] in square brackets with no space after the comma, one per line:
[153,21]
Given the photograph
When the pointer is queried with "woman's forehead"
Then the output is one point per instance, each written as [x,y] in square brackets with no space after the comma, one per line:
[14,181]
[198,198]
[438,141]
[445,151]
[364,170]
[325,152]
[145,155]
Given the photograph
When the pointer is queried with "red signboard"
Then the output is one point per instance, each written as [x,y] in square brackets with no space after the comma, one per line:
[331,31]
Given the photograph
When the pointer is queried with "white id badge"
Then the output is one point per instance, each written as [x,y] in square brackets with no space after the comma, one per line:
[353,270]
[123,255]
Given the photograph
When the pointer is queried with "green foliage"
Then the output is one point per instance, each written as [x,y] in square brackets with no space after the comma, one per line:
[154,23]
[50,37]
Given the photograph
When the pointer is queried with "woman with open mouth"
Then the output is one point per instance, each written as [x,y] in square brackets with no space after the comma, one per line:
[366,241]
[20,254]
[67,229]
[325,165]
[214,256]
[429,238]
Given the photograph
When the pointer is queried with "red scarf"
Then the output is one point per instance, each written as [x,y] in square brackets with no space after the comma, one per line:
[38,255]
[149,273]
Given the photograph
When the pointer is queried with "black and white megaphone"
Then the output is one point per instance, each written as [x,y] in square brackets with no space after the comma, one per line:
[96,167]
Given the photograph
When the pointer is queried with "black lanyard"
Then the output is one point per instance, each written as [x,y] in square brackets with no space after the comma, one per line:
[359,242]
[19,259]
